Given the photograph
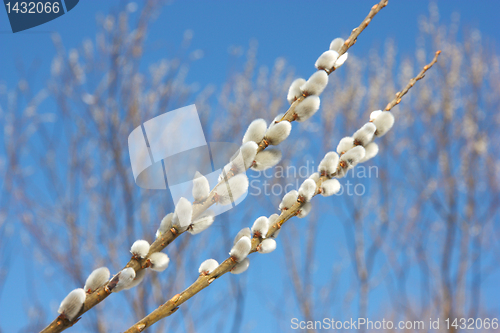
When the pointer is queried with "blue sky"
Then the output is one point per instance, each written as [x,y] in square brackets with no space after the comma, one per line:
[296,30]
[293,29]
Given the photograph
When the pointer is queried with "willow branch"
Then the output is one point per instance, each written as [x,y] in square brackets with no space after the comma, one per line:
[60,324]
[204,281]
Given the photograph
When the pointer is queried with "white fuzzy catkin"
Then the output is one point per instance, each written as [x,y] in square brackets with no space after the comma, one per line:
[241,249]
[364,135]
[340,61]
[307,108]
[304,210]
[139,276]
[245,156]
[260,227]
[330,187]
[165,225]
[288,200]
[371,150]
[345,144]
[255,131]
[232,189]
[96,279]
[353,156]
[240,267]
[307,189]
[201,187]
[328,164]
[316,83]
[201,223]
[383,122]
[315,176]
[140,248]
[267,159]
[267,246]
[240,161]
[294,91]
[245,232]
[226,170]
[159,261]
[336,44]
[326,60]
[183,212]
[208,266]
[272,220]
[331,155]
[72,303]
[375,114]
[125,278]
[277,133]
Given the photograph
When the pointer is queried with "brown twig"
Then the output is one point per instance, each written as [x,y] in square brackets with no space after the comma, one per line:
[412,82]
[204,281]
[356,31]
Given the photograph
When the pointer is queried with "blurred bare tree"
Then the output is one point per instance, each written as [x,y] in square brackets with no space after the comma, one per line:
[419,243]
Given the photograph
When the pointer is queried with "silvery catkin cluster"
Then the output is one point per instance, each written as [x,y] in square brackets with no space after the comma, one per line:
[253,154]
[128,277]
[181,218]
[357,148]
[73,302]
[157,261]
[242,245]
[260,229]
[353,150]
[125,279]
[306,93]
[259,134]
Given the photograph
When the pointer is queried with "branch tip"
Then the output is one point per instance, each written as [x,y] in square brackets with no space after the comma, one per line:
[410,84]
